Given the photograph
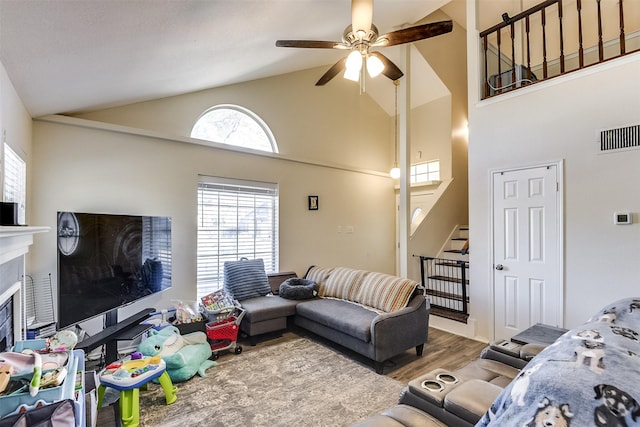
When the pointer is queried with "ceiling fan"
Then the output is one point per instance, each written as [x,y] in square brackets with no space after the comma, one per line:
[362,36]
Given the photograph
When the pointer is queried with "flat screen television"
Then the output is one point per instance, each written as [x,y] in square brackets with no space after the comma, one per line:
[107,261]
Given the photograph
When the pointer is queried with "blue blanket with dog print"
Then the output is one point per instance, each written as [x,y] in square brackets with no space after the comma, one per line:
[590,376]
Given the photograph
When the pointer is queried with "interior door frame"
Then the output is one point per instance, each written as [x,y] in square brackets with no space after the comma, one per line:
[559,164]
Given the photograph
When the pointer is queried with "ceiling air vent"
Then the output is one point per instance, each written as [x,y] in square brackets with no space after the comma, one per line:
[620,138]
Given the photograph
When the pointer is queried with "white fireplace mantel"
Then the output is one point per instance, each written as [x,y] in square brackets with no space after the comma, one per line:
[15,241]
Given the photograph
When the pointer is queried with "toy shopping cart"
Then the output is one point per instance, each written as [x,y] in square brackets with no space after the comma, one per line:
[223,333]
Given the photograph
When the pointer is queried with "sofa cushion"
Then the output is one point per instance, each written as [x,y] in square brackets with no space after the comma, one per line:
[343,316]
[400,416]
[410,416]
[318,274]
[343,283]
[471,399]
[385,292]
[489,371]
[268,307]
[246,279]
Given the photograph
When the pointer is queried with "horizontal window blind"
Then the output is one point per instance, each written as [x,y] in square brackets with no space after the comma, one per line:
[15,181]
[236,219]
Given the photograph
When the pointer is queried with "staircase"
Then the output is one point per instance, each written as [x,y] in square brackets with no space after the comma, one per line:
[447,280]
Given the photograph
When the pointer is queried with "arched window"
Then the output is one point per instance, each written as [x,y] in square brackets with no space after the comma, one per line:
[234,125]
[415,215]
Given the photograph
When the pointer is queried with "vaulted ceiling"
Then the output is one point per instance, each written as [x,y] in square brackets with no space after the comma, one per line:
[80,55]
[71,55]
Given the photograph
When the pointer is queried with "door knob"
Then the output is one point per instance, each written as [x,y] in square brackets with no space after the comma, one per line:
[499,267]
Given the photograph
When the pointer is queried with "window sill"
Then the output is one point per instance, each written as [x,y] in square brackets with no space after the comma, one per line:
[425,184]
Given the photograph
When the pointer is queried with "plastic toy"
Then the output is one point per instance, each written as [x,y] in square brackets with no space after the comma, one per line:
[184,355]
[53,378]
[54,360]
[127,376]
[223,334]
[63,340]
[5,376]
[23,364]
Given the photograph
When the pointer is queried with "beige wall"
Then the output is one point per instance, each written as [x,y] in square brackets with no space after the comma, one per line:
[332,123]
[445,55]
[431,134]
[15,127]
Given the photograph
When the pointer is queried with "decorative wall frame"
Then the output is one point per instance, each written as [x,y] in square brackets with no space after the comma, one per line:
[314,203]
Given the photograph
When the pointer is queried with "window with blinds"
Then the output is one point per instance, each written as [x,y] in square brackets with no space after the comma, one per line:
[156,243]
[236,219]
[15,181]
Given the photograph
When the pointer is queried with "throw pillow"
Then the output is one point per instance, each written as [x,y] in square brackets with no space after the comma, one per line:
[246,279]
[343,283]
[385,292]
[318,274]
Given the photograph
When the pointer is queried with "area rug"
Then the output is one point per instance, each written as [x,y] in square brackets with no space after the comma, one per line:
[298,382]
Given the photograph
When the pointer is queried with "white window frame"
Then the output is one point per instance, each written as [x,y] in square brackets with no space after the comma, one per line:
[432,173]
[15,181]
[202,121]
[229,229]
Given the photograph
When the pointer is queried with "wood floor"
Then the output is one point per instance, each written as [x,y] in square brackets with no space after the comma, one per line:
[443,350]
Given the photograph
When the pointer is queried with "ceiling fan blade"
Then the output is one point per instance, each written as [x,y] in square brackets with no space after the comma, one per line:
[412,34]
[361,15]
[332,72]
[390,70]
[314,44]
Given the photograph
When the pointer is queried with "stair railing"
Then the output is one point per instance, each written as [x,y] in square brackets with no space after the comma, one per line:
[532,46]
[445,283]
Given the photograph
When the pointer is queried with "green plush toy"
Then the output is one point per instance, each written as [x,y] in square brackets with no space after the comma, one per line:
[184,355]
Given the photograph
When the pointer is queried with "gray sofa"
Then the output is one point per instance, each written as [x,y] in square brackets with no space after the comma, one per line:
[374,314]
[466,393]
[454,398]
[588,376]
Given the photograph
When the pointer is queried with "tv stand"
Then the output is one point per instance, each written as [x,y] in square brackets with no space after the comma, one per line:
[115,331]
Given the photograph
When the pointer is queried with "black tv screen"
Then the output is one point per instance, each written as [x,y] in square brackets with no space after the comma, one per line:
[106,261]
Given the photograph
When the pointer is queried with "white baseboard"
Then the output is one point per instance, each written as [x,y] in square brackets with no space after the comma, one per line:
[467,330]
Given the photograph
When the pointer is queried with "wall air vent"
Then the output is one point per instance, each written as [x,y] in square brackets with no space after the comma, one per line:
[620,139]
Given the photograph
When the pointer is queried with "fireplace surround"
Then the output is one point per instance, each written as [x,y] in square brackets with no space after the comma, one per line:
[14,246]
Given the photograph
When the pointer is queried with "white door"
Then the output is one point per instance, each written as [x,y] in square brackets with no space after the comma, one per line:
[527,255]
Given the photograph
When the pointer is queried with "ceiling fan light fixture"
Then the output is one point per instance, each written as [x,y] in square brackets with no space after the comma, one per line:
[374,65]
[353,66]
[354,61]
[352,74]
